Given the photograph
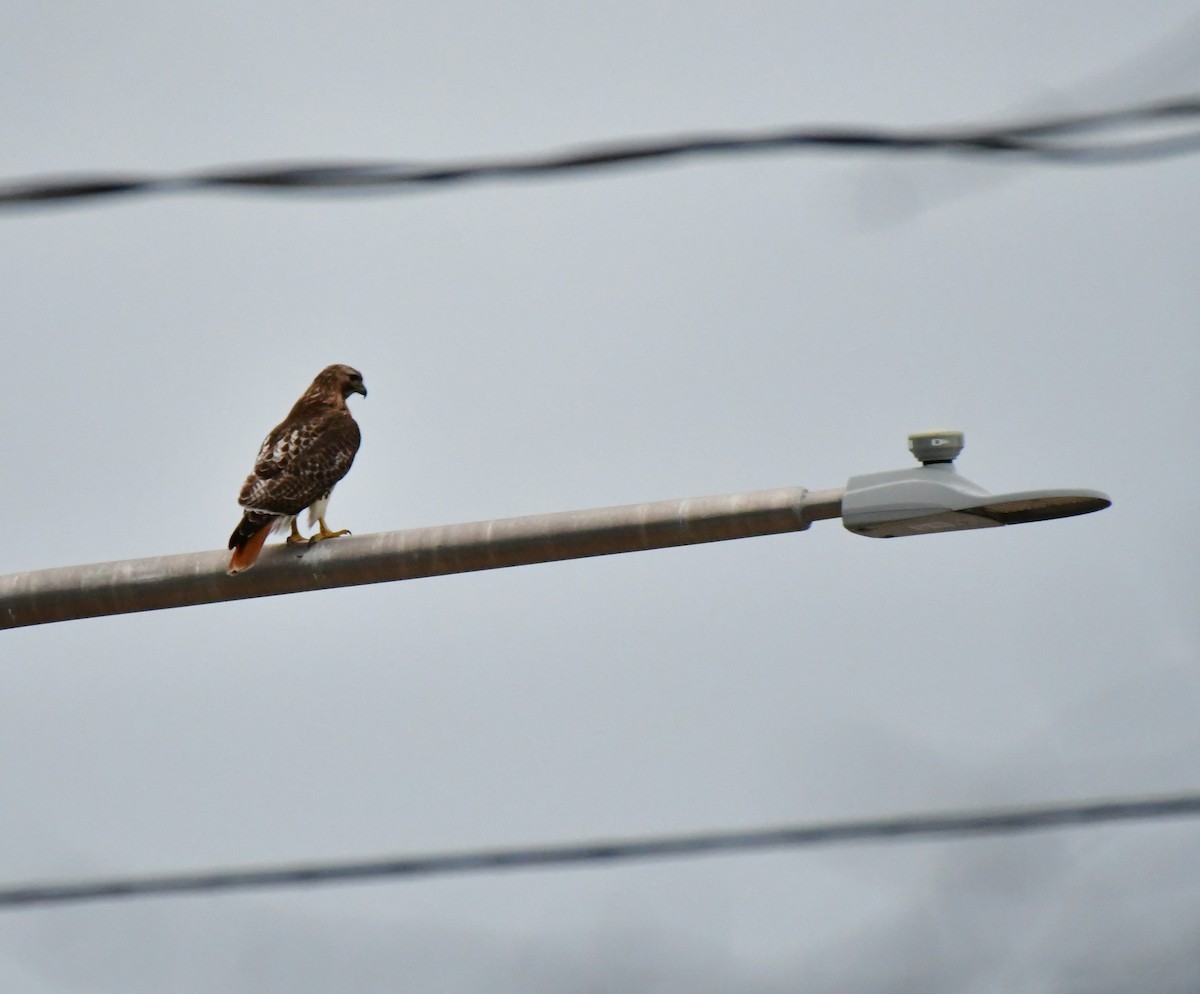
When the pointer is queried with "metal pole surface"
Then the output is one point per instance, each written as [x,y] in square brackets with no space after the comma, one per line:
[102,589]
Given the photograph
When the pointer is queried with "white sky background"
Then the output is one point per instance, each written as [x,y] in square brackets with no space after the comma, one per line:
[677,330]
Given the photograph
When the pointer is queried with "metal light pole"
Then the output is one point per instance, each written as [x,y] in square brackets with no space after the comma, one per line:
[928,498]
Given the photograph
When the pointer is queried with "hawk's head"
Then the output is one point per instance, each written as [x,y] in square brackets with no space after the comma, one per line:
[339,380]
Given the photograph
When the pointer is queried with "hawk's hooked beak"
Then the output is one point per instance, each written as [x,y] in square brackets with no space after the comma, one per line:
[358,388]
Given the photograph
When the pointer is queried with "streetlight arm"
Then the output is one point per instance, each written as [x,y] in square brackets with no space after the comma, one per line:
[102,589]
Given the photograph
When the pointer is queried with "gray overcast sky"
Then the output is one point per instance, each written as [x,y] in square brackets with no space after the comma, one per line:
[676,330]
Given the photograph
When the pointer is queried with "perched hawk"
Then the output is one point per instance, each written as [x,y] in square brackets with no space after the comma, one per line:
[298,465]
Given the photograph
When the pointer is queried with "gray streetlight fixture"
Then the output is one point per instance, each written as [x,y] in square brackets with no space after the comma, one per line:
[933,497]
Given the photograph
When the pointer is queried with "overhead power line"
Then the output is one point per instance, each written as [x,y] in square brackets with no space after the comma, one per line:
[102,589]
[1103,138]
[962,825]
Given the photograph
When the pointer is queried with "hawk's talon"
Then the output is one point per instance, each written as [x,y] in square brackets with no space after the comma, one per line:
[325,532]
[295,538]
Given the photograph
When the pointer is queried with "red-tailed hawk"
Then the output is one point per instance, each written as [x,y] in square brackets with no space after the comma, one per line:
[298,465]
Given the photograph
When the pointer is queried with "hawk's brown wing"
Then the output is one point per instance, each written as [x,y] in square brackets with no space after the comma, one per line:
[299,462]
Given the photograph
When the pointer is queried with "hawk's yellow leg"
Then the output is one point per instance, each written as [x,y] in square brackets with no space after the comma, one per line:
[295,538]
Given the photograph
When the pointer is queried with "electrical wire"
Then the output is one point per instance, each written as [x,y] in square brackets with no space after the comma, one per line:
[1078,139]
[997,822]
